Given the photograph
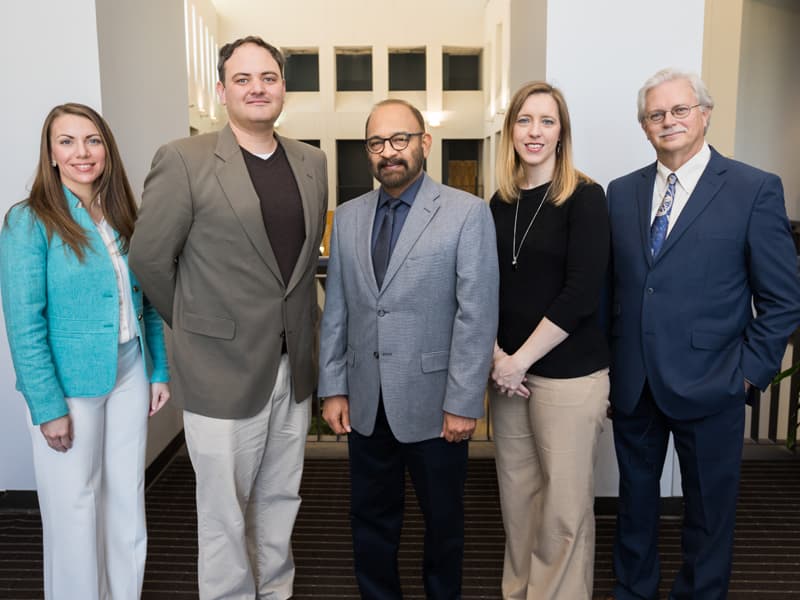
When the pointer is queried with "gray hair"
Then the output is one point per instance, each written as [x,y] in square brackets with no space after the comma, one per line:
[670,74]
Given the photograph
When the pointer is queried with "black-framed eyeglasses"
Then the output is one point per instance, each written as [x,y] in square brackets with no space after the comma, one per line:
[679,112]
[398,141]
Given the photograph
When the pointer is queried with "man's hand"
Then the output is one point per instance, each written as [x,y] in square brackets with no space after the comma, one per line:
[457,429]
[58,433]
[336,412]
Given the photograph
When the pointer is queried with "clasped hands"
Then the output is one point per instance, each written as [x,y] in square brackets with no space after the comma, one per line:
[508,376]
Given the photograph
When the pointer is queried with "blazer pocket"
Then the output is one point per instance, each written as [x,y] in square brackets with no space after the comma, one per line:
[435,361]
[704,340]
[216,327]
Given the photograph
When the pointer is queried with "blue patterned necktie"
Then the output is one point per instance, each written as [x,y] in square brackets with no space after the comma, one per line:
[383,243]
[658,230]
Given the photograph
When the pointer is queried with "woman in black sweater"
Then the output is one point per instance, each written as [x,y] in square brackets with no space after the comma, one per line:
[550,371]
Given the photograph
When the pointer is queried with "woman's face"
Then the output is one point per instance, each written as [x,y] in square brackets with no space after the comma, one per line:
[78,151]
[536,133]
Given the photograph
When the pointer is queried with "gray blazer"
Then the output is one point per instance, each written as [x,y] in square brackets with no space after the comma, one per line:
[204,260]
[426,338]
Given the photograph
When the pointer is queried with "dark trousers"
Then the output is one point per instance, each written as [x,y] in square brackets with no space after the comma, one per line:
[438,471]
[710,452]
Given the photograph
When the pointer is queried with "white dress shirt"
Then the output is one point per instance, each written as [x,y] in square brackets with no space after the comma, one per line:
[688,176]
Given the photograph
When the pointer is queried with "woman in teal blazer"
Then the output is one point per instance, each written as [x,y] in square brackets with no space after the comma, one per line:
[88,351]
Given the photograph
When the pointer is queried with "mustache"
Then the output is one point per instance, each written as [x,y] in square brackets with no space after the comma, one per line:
[391,162]
[671,130]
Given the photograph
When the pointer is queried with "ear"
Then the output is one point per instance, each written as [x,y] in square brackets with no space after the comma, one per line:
[220,92]
[427,141]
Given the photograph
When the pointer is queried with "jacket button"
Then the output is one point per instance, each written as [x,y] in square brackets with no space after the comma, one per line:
[136,288]
[381,312]
[375,354]
[139,316]
[650,290]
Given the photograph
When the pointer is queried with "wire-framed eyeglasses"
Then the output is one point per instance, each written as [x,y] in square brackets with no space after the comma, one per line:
[681,111]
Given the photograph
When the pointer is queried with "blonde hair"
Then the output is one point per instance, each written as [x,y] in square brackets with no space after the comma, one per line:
[508,169]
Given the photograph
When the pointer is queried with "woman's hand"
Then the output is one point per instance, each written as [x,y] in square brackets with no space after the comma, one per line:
[159,395]
[58,433]
[508,375]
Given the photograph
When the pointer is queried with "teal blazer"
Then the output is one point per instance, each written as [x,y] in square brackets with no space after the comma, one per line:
[62,315]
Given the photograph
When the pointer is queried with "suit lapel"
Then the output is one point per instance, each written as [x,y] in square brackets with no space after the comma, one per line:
[305,183]
[365,220]
[422,210]
[707,187]
[644,200]
[235,182]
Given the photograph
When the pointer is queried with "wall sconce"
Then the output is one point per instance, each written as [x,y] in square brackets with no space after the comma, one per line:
[434,118]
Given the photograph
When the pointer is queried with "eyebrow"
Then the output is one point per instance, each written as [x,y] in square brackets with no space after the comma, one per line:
[242,74]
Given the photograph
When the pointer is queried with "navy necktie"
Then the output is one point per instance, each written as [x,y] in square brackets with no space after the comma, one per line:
[658,230]
[382,251]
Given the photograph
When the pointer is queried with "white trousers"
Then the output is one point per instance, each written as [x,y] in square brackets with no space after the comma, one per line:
[91,498]
[248,480]
[545,449]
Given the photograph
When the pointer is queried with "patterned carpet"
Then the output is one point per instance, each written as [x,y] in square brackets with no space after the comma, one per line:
[766,564]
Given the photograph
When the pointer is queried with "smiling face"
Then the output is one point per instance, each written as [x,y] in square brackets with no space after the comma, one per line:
[675,140]
[536,132]
[253,91]
[397,169]
[78,151]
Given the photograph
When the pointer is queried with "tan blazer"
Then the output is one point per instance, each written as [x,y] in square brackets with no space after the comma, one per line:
[204,260]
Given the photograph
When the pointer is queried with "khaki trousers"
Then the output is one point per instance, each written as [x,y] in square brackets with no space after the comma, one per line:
[248,480]
[545,453]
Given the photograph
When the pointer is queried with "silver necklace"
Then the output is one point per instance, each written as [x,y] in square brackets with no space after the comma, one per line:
[515,250]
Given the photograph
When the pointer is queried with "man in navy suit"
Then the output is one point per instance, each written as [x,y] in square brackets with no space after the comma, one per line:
[699,241]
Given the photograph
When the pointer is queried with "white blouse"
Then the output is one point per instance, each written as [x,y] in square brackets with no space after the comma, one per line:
[127,316]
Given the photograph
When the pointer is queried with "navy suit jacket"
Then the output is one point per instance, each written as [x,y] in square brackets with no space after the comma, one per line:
[685,321]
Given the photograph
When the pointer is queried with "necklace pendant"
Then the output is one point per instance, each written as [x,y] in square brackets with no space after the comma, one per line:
[514,264]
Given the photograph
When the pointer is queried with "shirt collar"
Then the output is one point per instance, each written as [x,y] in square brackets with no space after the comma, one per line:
[688,174]
[407,197]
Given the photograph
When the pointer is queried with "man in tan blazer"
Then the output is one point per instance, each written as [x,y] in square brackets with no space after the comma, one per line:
[226,248]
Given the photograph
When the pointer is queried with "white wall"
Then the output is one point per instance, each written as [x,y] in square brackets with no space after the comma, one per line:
[53,58]
[144,91]
[50,61]
[768,112]
[600,54]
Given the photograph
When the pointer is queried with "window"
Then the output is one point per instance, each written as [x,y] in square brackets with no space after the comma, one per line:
[352,170]
[302,70]
[407,69]
[461,165]
[461,69]
[312,142]
[354,70]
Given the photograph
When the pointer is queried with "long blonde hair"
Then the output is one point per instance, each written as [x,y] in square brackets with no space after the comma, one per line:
[111,189]
[508,169]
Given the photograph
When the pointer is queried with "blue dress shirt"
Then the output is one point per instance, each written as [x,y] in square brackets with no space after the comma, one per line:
[400,213]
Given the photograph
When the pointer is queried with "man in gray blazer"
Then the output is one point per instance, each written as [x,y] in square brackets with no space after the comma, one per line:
[226,248]
[406,343]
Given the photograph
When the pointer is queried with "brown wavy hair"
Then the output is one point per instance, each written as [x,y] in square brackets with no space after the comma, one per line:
[111,189]
[508,169]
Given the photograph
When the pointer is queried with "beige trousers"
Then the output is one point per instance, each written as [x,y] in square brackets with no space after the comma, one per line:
[248,479]
[545,454]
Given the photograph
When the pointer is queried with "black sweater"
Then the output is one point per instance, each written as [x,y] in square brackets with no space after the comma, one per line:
[560,273]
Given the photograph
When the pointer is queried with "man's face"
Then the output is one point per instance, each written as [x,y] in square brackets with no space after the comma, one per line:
[675,140]
[397,169]
[254,89]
